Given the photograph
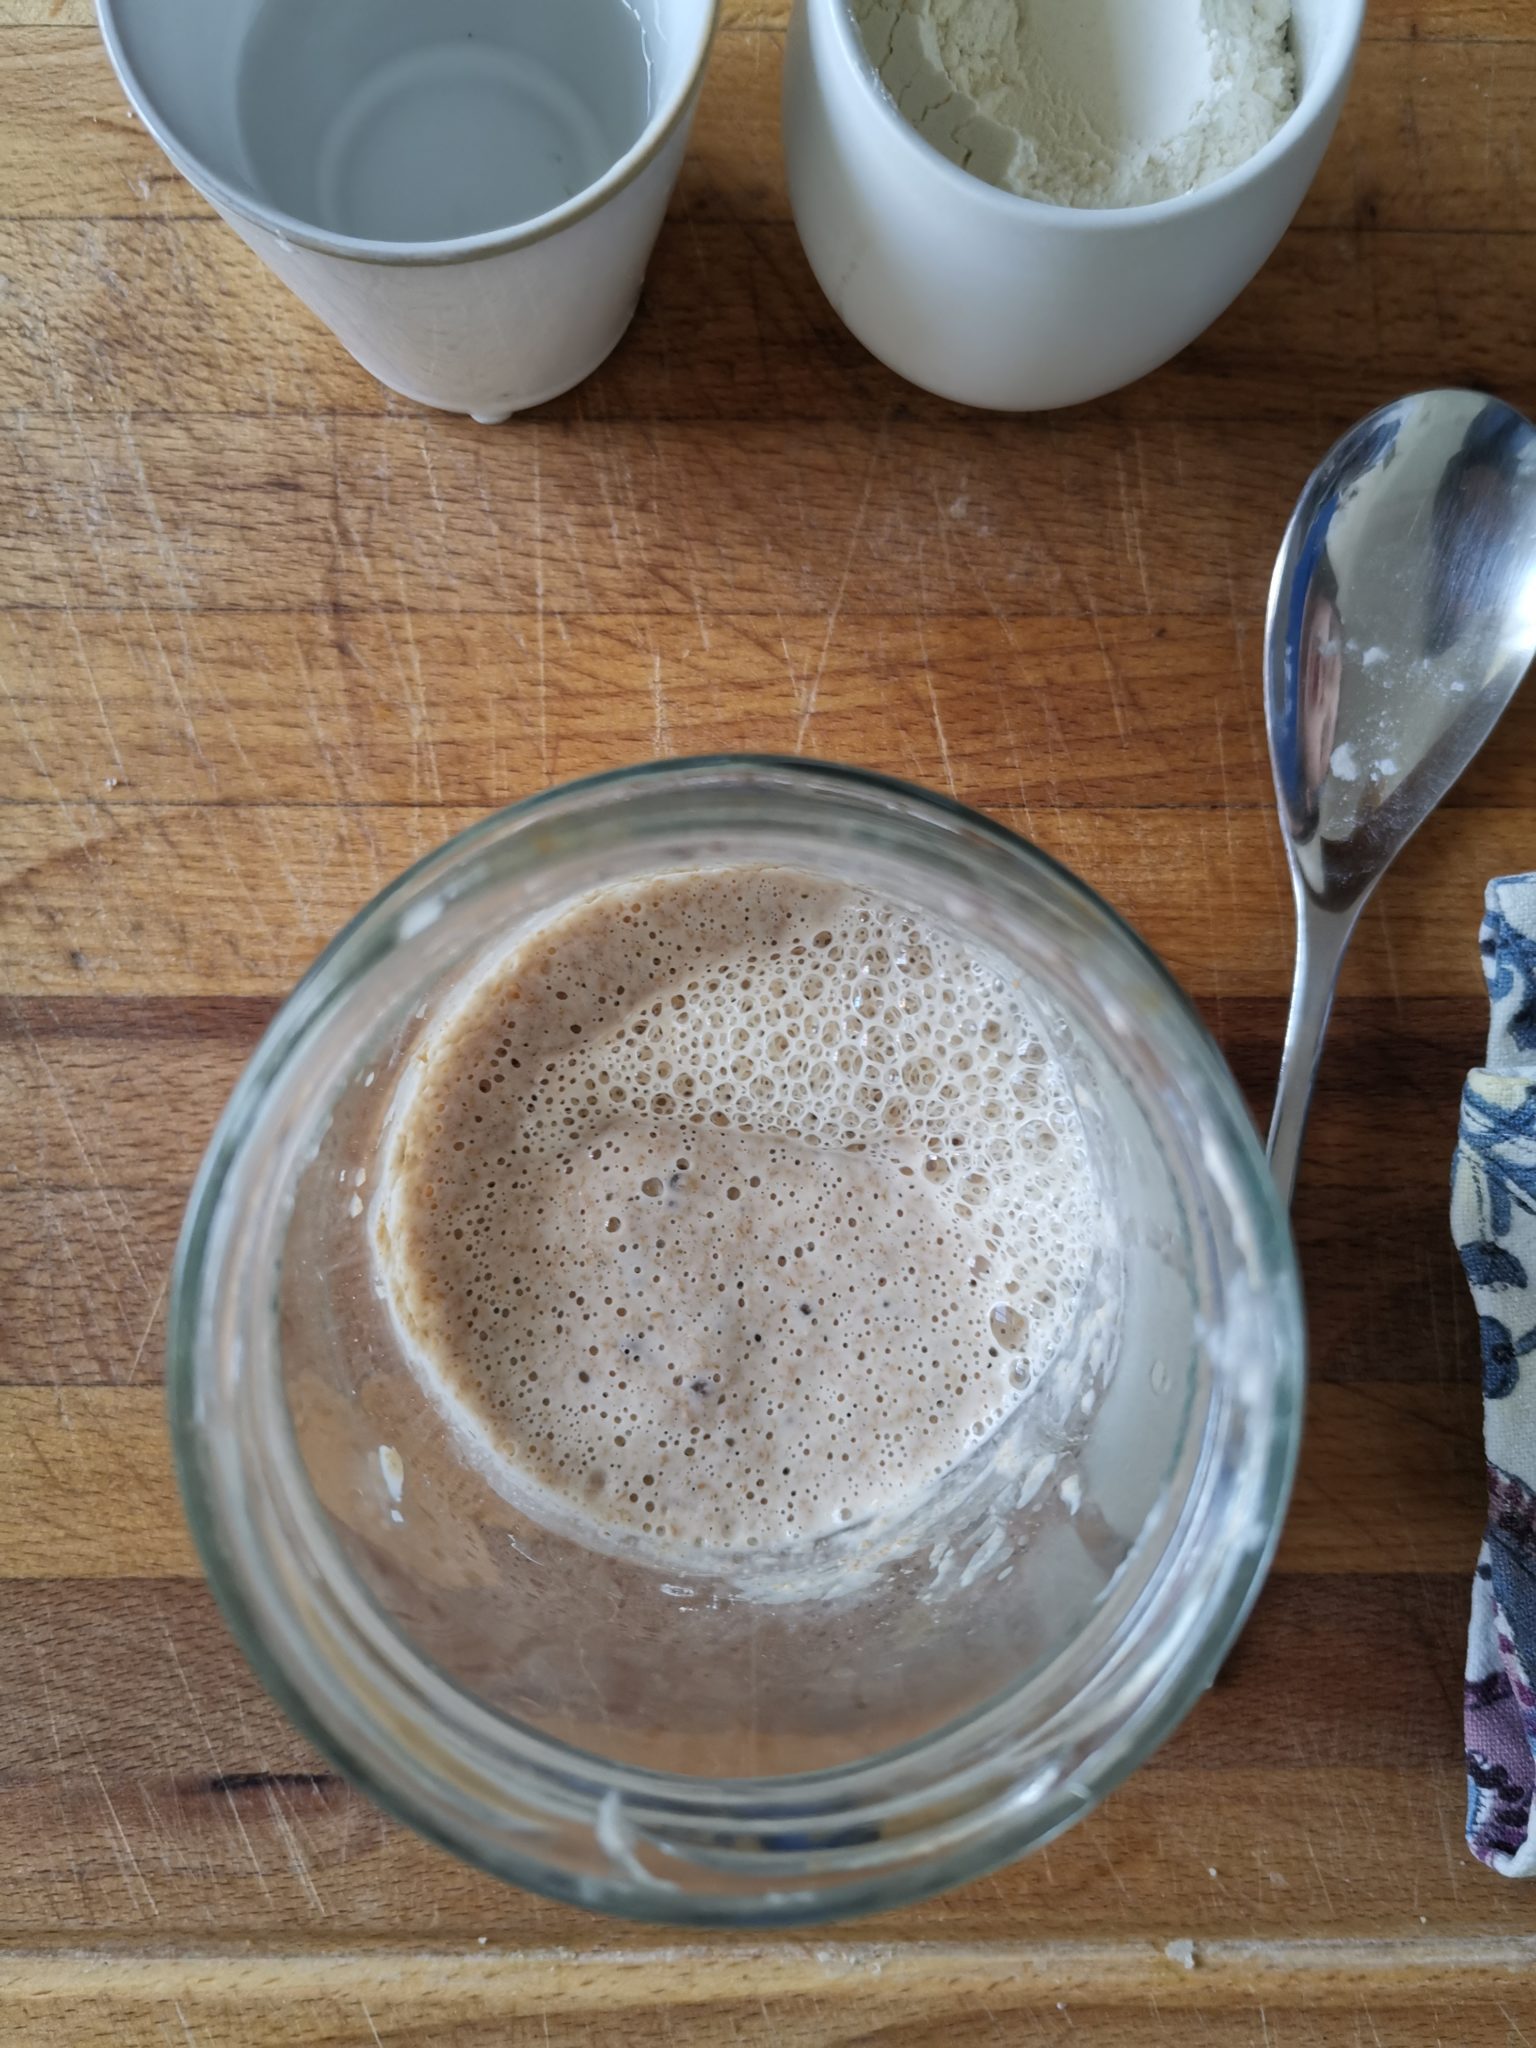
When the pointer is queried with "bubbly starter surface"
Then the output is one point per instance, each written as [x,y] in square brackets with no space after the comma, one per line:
[731,1209]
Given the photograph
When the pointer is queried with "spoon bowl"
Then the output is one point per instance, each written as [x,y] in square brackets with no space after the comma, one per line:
[1402,619]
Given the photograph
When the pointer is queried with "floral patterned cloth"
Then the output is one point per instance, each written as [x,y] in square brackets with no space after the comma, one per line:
[1493,1216]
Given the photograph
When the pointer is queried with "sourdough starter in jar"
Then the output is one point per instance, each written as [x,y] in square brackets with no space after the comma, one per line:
[732,1209]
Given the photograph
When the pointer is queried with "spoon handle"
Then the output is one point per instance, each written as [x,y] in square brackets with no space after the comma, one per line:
[1322,937]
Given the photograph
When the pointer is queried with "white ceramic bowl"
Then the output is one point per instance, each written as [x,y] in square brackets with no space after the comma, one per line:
[485,323]
[994,300]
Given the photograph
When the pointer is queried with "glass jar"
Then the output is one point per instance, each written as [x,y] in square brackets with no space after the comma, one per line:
[596,1728]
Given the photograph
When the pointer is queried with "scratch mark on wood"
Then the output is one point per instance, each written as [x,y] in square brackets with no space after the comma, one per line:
[326,736]
[296,1856]
[808,711]
[87,669]
[127,1861]
[202,1728]
[1111,676]
[177,586]
[1131,523]
[661,737]
[1021,789]
[1233,865]
[421,717]
[1322,1878]
[1514,2026]
[933,706]
[1389,953]
[941,524]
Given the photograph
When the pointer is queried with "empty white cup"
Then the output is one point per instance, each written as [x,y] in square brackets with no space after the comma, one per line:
[993,300]
[466,191]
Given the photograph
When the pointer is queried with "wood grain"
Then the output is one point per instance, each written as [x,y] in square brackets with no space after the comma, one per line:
[868,1993]
[268,633]
[105,897]
[154,1792]
[733,327]
[1390,1481]
[88,1237]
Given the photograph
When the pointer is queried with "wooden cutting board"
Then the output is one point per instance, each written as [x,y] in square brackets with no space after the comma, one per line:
[267,633]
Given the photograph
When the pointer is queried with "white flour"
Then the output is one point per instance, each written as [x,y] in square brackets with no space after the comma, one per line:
[1091,103]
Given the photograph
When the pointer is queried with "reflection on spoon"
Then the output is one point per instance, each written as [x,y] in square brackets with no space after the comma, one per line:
[1402,618]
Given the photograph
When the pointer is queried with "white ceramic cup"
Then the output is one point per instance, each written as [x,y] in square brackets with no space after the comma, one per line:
[466,191]
[993,300]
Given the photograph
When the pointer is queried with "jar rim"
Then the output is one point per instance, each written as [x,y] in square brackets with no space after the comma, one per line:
[965,1798]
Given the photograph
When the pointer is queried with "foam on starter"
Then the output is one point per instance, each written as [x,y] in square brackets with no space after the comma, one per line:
[733,1208]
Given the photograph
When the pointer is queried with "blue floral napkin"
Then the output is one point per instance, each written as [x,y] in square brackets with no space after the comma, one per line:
[1493,1216]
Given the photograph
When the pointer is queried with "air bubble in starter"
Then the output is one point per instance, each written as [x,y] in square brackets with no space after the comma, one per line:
[730,1209]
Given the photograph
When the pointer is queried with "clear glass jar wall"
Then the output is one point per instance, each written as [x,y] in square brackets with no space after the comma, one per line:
[587,1724]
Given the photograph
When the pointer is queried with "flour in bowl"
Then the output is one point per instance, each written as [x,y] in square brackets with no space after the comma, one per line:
[1088,103]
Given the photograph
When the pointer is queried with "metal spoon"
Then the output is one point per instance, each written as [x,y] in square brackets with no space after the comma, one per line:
[1402,618]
